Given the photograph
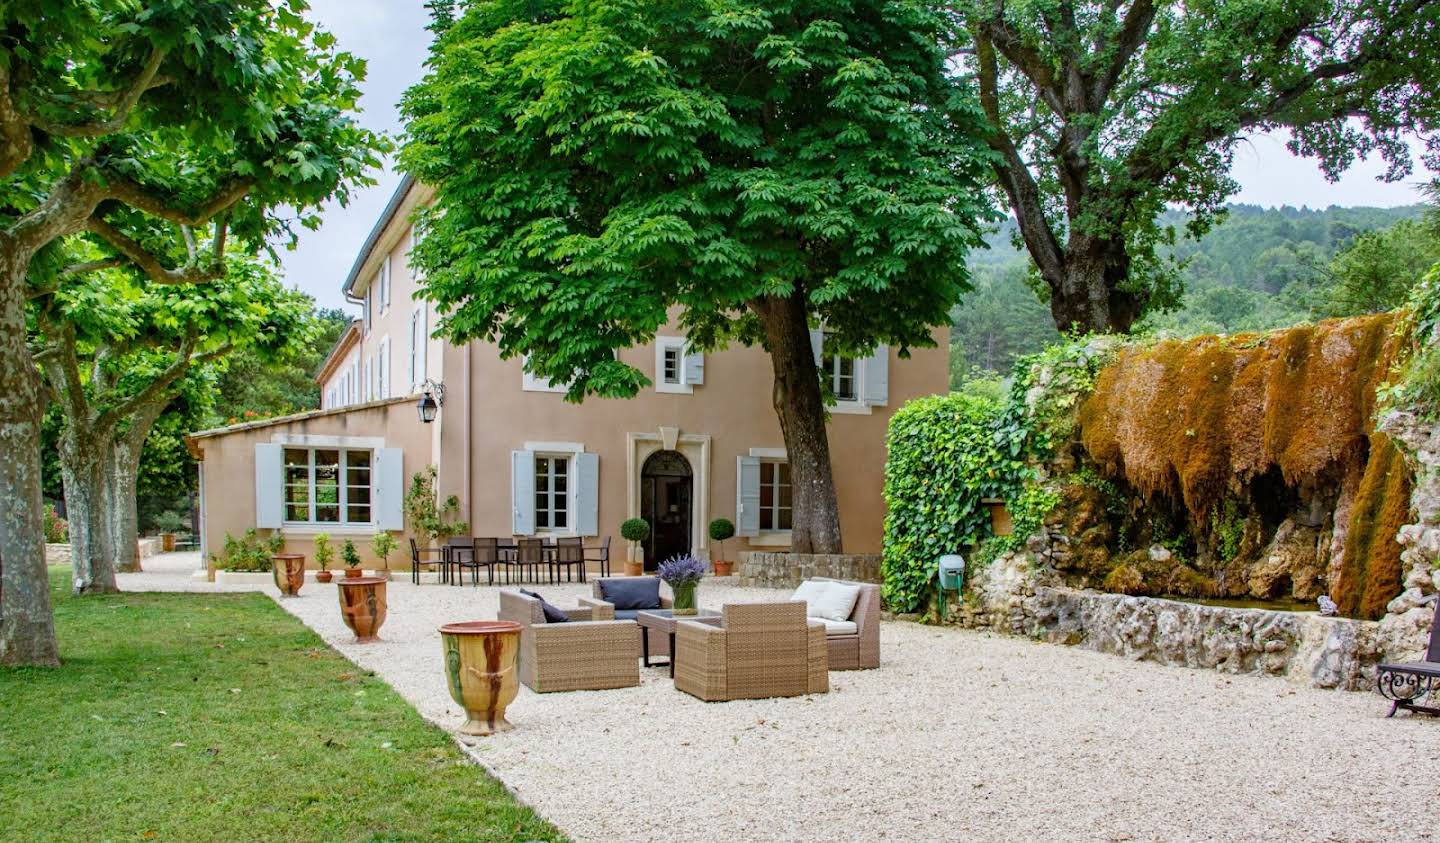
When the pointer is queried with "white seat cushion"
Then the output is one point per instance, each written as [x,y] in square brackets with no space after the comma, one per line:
[839,627]
[828,600]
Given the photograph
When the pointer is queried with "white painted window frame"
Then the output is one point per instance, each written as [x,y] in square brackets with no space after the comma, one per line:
[679,387]
[532,383]
[775,538]
[344,525]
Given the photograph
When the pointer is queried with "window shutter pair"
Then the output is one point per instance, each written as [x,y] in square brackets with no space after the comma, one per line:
[586,497]
[387,481]
[747,496]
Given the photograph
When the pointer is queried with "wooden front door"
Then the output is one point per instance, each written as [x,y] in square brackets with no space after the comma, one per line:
[666,487]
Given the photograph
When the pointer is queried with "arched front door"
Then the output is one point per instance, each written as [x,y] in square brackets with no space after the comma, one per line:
[666,484]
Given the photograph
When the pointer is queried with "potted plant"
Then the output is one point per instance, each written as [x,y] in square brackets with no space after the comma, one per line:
[351,557]
[634,530]
[383,545]
[324,555]
[425,513]
[169,523]
[683,574]
[720,530]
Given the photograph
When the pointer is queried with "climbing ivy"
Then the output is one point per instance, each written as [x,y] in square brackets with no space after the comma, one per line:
[946,454]
[1416,384]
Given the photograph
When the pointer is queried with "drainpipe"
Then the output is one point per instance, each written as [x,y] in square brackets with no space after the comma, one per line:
[469,435]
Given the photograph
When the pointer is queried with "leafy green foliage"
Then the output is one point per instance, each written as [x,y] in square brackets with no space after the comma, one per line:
[350,555]
[57,531]
[383,545]
[598,164]
[171,521]
[324,553]
[634,529]
[251,552]
[1415,386]
[721,531]
[946,454]
[256,386]
[426,514]
[1227,529]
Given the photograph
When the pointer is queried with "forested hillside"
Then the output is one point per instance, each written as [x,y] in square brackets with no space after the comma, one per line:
[1259,268]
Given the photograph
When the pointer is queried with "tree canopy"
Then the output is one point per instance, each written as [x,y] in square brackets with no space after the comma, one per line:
[754,167]
[1102,114]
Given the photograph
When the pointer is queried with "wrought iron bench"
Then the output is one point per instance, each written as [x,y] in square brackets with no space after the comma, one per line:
[1405,683]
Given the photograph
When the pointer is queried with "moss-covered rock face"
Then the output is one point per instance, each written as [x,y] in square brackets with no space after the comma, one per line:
[1245,466]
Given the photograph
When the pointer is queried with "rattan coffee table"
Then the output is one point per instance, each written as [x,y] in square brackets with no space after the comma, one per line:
[663,621]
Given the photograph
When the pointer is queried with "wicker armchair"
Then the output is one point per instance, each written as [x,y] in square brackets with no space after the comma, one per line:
[593,652]
[758,650]
[659,644]
[859,650]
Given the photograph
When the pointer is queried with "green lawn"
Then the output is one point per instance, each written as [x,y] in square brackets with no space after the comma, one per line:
[221,717]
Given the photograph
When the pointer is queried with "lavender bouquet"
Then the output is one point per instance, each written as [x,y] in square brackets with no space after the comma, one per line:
[683,573]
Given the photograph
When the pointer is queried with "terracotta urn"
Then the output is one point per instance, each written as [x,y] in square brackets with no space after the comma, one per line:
[289,572]
[324,576]
[480,670]
[362,606]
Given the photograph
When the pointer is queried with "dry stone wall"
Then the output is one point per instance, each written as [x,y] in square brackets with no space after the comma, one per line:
[787,570]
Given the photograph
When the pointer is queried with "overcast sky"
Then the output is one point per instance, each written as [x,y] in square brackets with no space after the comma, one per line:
[391,36]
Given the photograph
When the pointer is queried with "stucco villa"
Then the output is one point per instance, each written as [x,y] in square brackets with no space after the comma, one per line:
[702,442]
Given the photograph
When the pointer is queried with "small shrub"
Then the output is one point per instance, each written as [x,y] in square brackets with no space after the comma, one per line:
[57,529]
[426,515]
[721,530]
[635,529]
[324,553]
[249,553]
[171,521]
[383,545]
[350,555]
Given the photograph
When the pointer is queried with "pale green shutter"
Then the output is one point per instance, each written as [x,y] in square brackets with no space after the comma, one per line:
[269,486]
[522,493]
[587,494]
[747,496]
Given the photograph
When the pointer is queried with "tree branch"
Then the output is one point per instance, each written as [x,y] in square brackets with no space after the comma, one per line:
[122,101]
[156,388]
[141,198]
[191,273]
[1133,33]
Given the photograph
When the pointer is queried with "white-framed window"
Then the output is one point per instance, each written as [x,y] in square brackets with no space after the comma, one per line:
[328,486]
[678,368]
[534,383]
[382,373]
[857,383]
[552,493]
[776,509]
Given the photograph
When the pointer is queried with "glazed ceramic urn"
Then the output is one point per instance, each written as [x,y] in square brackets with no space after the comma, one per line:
[289,572]
[480,669]
[362,606]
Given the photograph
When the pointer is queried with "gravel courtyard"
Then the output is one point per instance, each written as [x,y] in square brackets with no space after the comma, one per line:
[958,736]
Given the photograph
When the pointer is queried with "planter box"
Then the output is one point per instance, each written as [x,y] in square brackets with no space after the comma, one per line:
[244,578]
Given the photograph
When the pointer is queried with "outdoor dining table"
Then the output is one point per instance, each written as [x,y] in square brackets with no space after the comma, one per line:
[508,549]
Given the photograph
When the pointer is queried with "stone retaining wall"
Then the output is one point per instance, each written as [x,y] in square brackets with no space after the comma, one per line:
[59,554]
[787,570]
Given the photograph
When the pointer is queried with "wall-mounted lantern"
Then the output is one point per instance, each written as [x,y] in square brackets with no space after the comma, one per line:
[432,398]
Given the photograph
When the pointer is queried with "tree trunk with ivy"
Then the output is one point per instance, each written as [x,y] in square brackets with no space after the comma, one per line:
[800,404]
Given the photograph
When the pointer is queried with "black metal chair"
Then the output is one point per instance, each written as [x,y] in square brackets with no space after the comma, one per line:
[568,554]
[459,555]
[1407,682]
[485,553]
[601,555]
[529,554]
[417,554]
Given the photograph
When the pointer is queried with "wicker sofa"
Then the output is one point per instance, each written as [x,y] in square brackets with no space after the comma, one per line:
[757,650]
[860,649]
[591,652]
[659,644]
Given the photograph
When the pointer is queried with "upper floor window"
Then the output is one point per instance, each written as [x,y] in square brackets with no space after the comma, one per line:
[382,283]
[327,486]
[678,368]
[839,373]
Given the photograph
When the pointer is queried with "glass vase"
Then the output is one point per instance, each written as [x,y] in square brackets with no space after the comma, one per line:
[684,598]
